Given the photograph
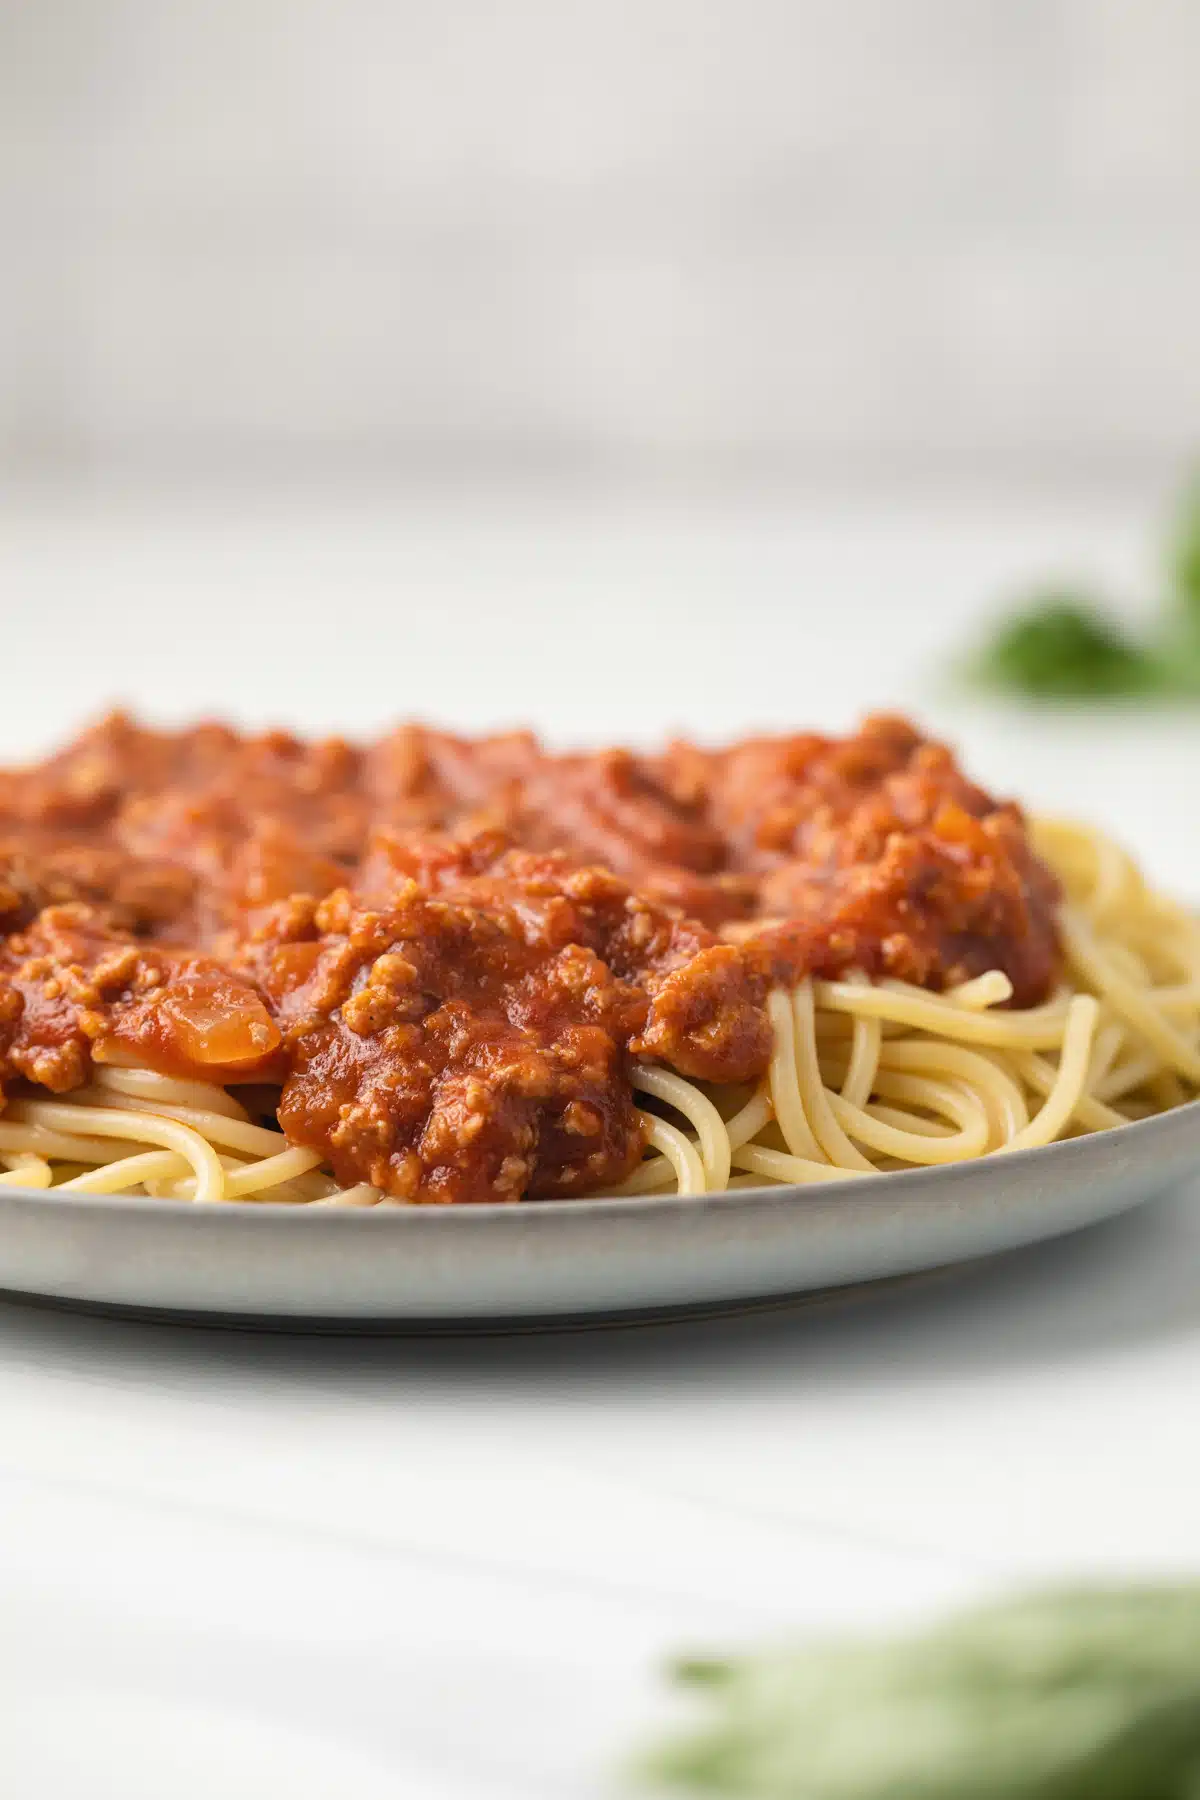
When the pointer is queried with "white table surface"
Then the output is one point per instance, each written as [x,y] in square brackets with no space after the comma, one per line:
[240,1563]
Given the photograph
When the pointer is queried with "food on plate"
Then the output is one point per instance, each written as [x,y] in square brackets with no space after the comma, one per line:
[446,970]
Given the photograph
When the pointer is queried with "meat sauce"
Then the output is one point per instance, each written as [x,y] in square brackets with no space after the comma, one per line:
[445,951]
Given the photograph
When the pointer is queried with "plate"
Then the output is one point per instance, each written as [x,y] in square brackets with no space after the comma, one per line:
[569,1262]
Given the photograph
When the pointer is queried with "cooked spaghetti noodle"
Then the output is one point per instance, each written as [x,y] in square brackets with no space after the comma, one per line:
[864,1077]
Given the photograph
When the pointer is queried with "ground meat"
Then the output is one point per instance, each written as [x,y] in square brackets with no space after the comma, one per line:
[445,1053]
[248,819]
[924,880]
[137,894]
[467,1038]
[74,991]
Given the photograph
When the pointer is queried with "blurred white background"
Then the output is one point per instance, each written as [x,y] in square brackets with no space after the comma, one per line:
[749,239]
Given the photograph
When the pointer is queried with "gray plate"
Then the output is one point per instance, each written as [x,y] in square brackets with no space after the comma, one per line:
[555,1262]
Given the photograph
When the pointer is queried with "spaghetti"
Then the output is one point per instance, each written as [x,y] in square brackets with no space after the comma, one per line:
[864,1076]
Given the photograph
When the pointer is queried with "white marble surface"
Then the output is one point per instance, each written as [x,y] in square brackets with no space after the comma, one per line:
[775,233]
[451,1568]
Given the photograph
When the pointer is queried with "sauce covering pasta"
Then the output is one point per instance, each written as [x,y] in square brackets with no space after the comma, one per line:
[446,953]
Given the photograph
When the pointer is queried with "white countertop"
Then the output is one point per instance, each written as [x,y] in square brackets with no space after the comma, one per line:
[449,1568]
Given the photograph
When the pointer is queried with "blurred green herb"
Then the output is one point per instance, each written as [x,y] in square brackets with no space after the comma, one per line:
[1071,1696]
[1063,645]
[1059,647]
[1183,624]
